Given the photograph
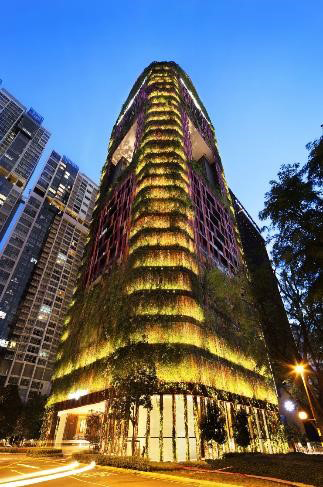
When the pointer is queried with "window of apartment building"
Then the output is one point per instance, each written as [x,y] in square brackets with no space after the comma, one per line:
[44,312]
[61,258]
[13,380]
[35,341]
[38,332]
[30,358]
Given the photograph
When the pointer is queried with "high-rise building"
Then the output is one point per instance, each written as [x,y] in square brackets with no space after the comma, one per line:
[41,261]
[22,141]
[164,281]
[275,325]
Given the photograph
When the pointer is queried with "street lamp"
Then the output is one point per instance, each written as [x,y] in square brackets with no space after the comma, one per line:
[303,415]
[301,369]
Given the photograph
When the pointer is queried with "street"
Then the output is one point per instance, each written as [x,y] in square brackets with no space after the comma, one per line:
[21,470]
[15,467]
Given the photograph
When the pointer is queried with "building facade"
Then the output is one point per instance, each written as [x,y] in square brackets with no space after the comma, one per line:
[22,141]
[41,260]
[163,257]
[275,325]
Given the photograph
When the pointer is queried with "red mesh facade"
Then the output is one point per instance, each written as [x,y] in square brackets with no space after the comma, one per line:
[214,232]
[113,230]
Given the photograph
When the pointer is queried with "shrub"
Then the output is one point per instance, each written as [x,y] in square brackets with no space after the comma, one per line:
[241,430]
[34,451]
[212,425]
[135,463]
[245,454]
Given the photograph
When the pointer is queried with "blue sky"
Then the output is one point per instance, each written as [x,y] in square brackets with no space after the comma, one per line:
[256,64]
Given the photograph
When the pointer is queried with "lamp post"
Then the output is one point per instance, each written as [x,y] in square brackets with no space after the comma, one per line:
[300,369]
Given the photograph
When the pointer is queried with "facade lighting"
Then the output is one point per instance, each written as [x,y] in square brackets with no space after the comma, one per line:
[77,394]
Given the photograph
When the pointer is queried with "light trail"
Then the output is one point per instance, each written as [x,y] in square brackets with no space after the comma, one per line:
[45,478]
[43,473]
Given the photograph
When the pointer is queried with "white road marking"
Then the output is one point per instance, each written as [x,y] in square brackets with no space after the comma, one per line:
[88,482]
[96,474]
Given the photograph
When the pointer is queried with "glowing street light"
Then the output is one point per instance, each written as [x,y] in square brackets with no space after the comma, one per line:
[303,415]
[289,405]
[300,369]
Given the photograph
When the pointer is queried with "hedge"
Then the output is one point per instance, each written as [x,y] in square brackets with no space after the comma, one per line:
[135,463]
[34,451]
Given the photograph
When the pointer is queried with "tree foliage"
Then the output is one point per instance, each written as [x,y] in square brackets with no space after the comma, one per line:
[213,425]
[33,412]
[294,208]
[134,381]
[241,429]
[20,420]
[293,434]
[93,428]
[10,410]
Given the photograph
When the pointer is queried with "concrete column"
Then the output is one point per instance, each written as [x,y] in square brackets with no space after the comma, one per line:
[191,429]
[196,414]
[154,453]
[167,428]
[60,429]
[270,448]
[142,430]
[180,429]
[261,445]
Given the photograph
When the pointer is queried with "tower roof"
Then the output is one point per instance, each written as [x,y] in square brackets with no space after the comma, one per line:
[167,65]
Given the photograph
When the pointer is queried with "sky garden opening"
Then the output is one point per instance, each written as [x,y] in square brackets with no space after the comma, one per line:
[164,294]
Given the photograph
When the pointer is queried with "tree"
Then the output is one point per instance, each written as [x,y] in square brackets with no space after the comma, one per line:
[241,429]
[29,420]
[134,381]
[212,425]
[10,409]
[294,435]
[294,208]
[18,420]
[33,412]
[93,428]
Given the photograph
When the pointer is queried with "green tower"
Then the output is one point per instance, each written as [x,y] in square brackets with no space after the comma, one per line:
[164,282]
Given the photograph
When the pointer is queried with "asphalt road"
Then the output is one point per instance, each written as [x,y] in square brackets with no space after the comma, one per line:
[15,466]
